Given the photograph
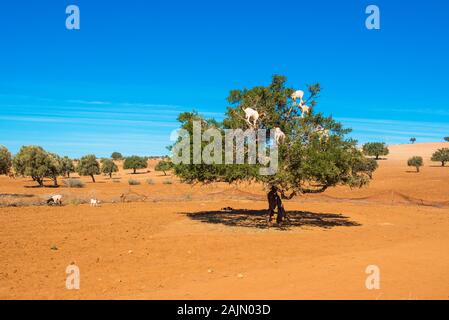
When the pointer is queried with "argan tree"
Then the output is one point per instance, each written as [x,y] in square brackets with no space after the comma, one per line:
[34,162]
[412,140]
[446,139]
[375,149]
[164,166]
[5,160]
[108,167]
[307,161]
[135,162]
[441,155]
[88,166]
[116,156]
[67,166]
[416,162]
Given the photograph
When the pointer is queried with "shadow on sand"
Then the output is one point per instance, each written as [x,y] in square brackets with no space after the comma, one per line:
[258,219]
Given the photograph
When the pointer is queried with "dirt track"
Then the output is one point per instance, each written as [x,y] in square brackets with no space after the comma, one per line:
[178,244]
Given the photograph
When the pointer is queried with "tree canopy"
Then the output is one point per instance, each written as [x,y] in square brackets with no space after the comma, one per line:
[415,161]
[307,162]
[441,155]
[88,166]
[135,162]
[375,149]
[164,166]
[116,156]
[5,160]
[108,167]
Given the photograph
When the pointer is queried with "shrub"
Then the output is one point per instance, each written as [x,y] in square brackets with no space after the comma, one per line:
[416,162]
[375,149]
[441,155]
[88,166]
[167,182]
[74,183]
[151,181]
[135,162]
[5,160]
[133,182]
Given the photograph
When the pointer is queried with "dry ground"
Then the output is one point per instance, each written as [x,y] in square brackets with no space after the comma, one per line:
[176,243]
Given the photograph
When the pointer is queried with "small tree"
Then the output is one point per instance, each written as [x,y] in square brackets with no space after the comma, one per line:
[34,162]
[416,162]
[116,156]
[5,160]
[164,166]
[67,166]
[441,155]
[88,166]
[366,165]
[108,167]
[413,140]
[135,162]
[54,167]
[446,139]
[375,149]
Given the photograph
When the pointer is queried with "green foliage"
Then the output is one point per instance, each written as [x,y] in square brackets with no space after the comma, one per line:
[116,156]
[108,167]
[88,166]
[34,162]
[365,165]
[67,166]
[441,155]
[446,139]
[413,140]
[416,162]
[133,182]
[135,162]
[307,164]
[73,183]
[5,160]
[164,166]
[375,149]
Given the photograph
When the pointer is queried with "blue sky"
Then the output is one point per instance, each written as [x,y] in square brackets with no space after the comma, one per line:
[118,83]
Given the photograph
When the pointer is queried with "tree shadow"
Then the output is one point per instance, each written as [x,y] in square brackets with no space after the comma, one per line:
[258,219]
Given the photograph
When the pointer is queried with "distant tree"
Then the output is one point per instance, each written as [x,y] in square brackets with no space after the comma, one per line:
[116,156]
[375,149]
[135,162]
[88,166]
[108,167]
[164,166]
[34,162]
[441,155]
[446,139]
[67,166]
[5,160]
[365,165]
[413,140]
[54,167]
[416,162]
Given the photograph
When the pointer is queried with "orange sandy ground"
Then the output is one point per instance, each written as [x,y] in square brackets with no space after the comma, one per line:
[176,243]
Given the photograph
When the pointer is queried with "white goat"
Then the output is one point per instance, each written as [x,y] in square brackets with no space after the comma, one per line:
[322,133]
[251,114]
[56,199]
[94,202]
[279,136]
[304,110]
[299,94]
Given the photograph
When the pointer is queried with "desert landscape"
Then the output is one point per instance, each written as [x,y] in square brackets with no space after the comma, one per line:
[164,239]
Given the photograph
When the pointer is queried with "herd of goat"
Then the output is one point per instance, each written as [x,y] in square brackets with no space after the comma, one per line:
[252,116]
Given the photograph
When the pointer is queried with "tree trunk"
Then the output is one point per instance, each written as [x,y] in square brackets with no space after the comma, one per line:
[377,157]
[68,174]
[40,181]
[443,163]
[134,170]
[417,169]
[275,201]
[55,181]
[110,175]
[93,178]
[165,173]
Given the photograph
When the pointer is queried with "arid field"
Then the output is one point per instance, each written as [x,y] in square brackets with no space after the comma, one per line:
[173,241]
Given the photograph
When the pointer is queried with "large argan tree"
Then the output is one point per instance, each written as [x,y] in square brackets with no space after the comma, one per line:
[309,162]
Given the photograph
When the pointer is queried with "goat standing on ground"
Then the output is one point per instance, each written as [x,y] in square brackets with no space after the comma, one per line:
[56,200]
[94,202]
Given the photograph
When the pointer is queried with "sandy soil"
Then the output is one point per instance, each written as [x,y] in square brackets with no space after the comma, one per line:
[173,241]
